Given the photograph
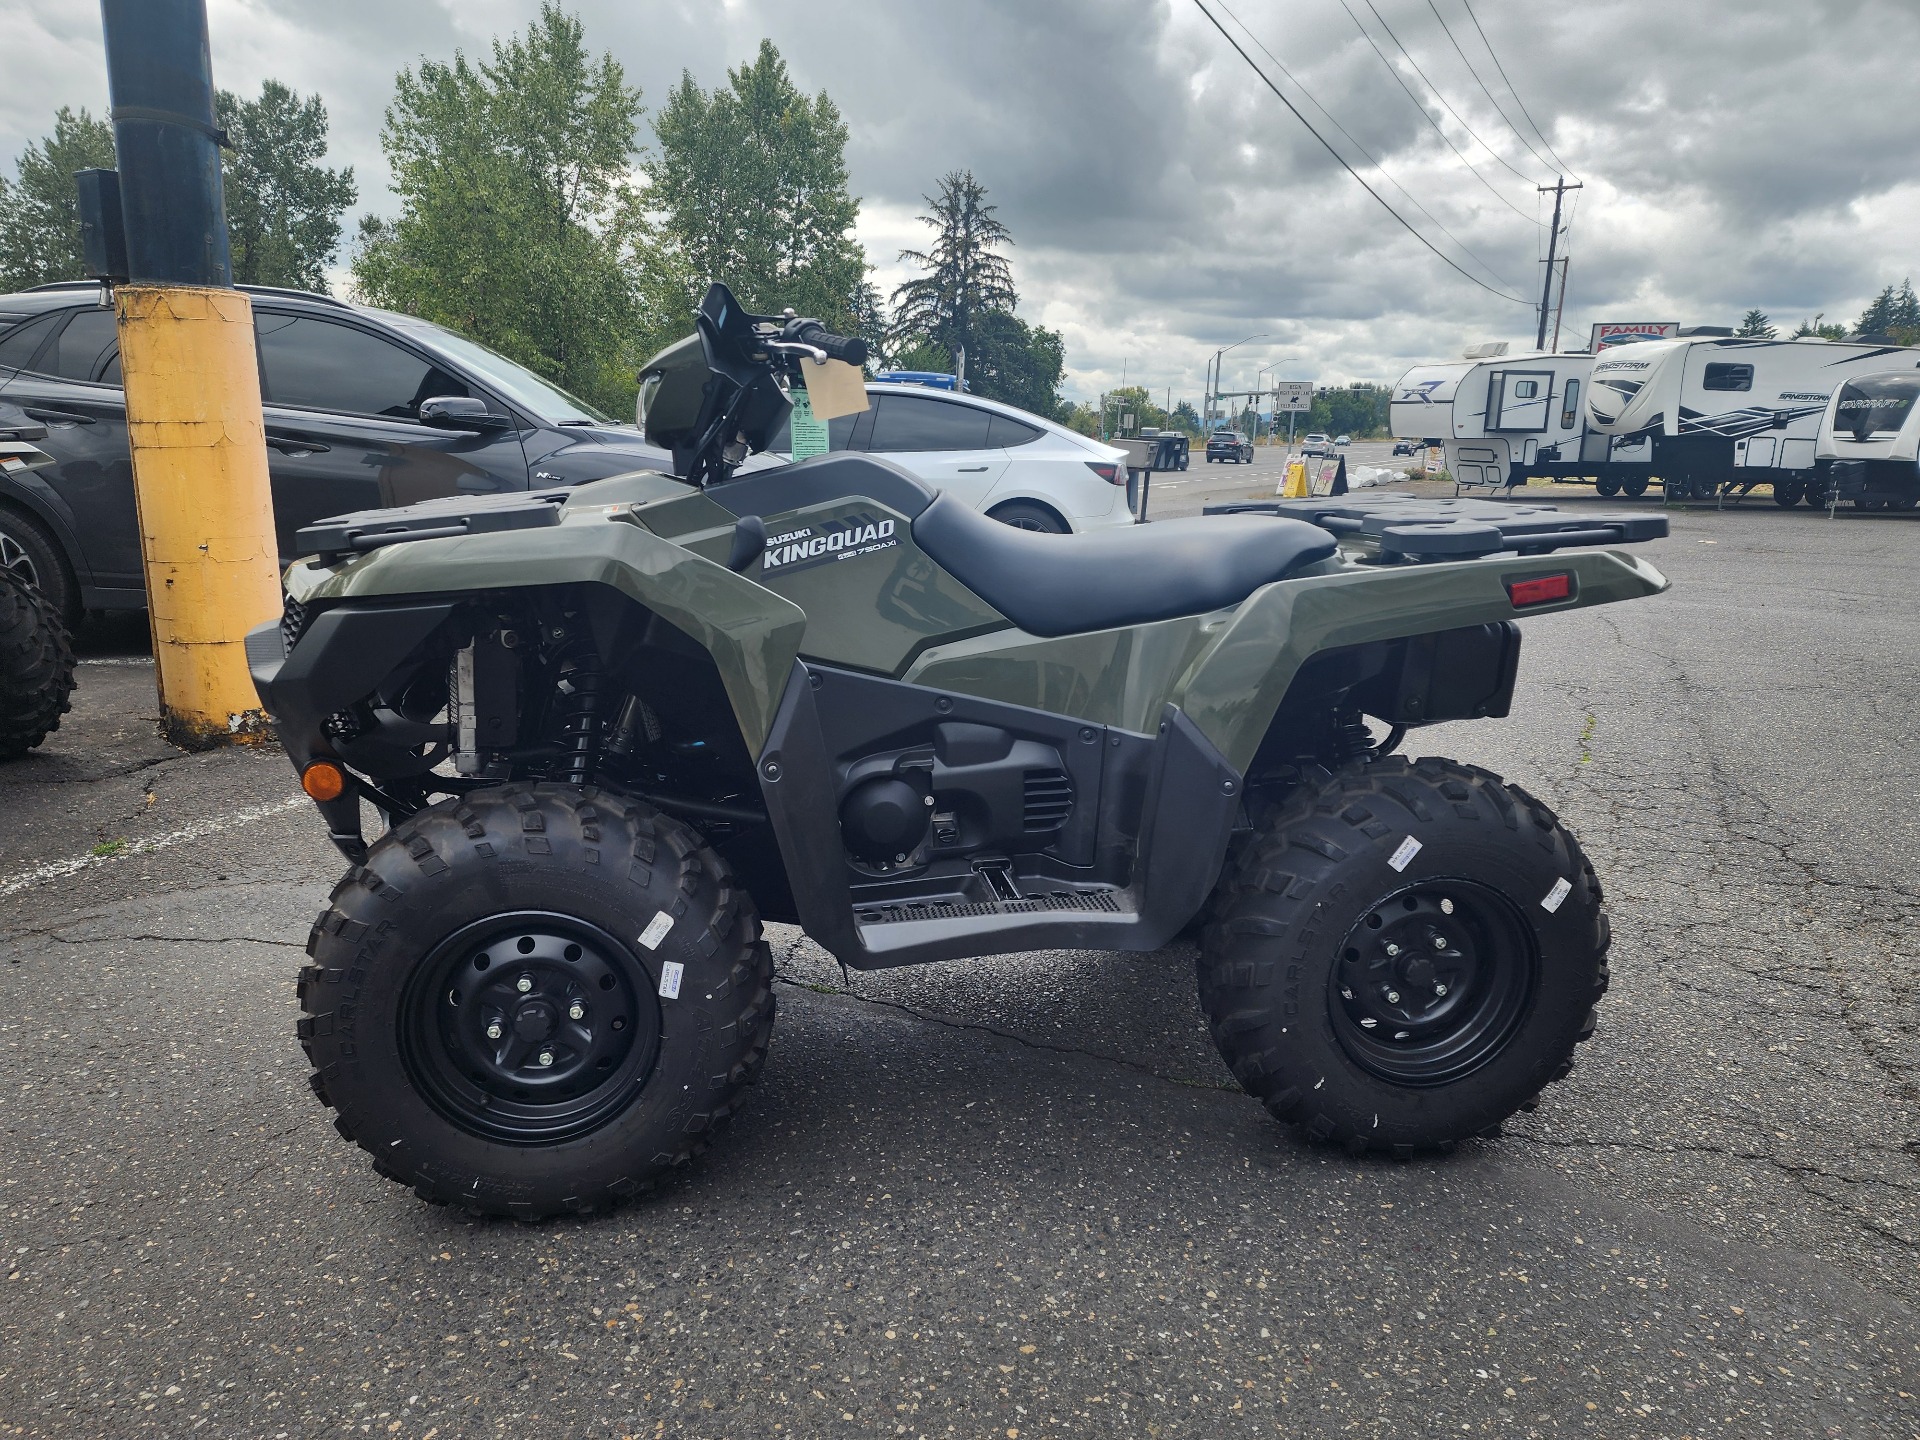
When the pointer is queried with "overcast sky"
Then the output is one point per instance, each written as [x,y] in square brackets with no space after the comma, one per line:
[1165,203]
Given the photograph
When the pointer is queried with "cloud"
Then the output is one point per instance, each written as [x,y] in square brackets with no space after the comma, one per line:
[1164,203]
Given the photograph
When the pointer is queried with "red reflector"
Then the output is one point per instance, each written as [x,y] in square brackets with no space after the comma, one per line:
[1540,590]
[1113,474]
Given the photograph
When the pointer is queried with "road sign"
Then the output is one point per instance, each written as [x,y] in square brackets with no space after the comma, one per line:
[1292,395]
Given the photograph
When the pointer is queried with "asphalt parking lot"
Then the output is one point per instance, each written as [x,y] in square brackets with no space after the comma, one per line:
[1020,1196]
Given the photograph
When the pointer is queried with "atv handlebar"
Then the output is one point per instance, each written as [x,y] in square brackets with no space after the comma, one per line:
[849,348]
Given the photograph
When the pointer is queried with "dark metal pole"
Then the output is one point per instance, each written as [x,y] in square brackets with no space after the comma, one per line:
[160,85]
[1553,239]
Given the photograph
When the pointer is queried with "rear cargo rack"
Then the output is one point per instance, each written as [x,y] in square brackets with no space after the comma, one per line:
[1413,528]
[444,519]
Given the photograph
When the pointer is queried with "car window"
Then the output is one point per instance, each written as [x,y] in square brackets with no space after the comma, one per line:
[1727,377]
[1007,432]
[110,372]
[319,365]
[906,422]
[1570,407]
[77,354]
[17,349]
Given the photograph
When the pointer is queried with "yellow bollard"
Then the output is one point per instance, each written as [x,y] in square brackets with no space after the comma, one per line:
[205,507]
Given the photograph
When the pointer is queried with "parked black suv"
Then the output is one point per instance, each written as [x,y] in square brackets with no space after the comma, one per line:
[349,427]
[1229,445]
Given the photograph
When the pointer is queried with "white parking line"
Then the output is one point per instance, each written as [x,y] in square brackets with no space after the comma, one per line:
[60,869]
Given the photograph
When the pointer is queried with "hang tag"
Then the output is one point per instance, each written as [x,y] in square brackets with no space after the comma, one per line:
[656,930]
[1561,889]
[834,388]
[670,974]
[1403,854]
[806,430]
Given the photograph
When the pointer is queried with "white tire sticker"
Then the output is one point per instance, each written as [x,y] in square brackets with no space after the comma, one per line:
[670,974]
[1404,853]
[656,930]
[1561,889]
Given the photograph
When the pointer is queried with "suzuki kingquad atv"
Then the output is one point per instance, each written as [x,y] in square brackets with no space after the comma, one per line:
[614,728]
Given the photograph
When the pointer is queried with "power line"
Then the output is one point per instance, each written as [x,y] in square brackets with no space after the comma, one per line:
[1443,99]
[1498,107]
[1401,80]
[1279,95]
[1511,87]
[1334,120]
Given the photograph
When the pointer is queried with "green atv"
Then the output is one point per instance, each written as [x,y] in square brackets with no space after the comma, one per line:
[613,728]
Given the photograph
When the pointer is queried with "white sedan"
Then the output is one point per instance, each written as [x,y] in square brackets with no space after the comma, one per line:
[1012,464]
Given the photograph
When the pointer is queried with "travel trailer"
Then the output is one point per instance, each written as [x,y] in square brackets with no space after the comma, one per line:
[1501,418]
[1727,413]
[1868,449]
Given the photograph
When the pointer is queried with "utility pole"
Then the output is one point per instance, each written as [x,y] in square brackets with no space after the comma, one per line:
[192,382]
[1559,189]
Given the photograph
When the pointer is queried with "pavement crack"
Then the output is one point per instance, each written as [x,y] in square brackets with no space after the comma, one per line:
[932,1018]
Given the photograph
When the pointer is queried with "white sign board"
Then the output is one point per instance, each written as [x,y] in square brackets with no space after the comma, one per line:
[1624,332]
[1292,395]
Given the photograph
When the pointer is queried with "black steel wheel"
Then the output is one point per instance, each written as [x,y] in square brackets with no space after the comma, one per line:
[1403,955]
[530,1028]
[536,999]
[1606,485]
[1635,488]
[1432,982]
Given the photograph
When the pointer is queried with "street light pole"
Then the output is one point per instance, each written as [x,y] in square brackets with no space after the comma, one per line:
[1213,392]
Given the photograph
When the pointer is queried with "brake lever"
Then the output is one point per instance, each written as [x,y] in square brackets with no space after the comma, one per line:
[799,347]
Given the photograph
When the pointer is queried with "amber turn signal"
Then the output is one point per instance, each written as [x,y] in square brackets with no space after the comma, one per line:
[324,780]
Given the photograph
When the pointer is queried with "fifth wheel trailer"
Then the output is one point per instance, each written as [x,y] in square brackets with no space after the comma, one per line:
[1868,450]
[1726,413]
[1501,418]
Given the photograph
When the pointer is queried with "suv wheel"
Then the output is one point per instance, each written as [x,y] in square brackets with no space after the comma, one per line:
[34,556]
[1026,515]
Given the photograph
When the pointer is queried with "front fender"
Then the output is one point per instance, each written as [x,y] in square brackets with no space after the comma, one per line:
[1235,685]
[752,633]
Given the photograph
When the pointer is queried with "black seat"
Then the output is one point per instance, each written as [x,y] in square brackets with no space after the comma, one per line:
[1124,575]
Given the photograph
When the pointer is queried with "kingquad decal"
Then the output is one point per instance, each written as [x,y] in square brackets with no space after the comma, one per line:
[812,545]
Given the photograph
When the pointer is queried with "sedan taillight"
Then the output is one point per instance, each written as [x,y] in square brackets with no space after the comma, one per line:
[1111,471]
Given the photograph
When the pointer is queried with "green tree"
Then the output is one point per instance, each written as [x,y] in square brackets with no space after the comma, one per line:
[283,205]
[1816,329]
[966,275]
[1754,325]
[1184,417]
[1894,312]
[750,188]
[1017,363]
[39,212]
[513,182]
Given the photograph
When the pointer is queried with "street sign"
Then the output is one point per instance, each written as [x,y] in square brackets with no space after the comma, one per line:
[1292,395]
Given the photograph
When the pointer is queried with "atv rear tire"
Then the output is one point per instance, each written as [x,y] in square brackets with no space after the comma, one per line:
[1404,956]
[536,999]
[36,667]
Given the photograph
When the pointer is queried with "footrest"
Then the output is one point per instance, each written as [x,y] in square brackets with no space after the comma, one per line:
[1100,901]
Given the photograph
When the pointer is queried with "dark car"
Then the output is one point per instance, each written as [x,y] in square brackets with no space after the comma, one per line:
[346,391]
[1229,445]
[1403,447]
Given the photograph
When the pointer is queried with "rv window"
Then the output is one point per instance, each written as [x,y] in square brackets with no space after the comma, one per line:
[1570,407]
[1728,377]
[1525,389]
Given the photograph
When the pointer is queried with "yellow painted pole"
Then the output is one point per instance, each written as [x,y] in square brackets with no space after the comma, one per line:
[206,511]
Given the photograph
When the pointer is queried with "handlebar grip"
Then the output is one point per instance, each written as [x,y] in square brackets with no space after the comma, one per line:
[849,348]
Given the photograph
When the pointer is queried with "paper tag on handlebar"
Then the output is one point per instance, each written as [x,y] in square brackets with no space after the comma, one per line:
[834,387]
[806,430]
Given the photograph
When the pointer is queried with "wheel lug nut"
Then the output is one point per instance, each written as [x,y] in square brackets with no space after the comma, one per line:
[494,1032]
[1392,949]
[576,1011]
[523,984]
[546,1057]
[1439,942]
[1439,989]
[1393,997]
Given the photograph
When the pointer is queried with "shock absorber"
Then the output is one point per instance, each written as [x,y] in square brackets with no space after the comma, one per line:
[580,725]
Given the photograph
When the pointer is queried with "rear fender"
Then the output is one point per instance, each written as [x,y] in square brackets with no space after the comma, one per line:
[752,633]
[1235,686]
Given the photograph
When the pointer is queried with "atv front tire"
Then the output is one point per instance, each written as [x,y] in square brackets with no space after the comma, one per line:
[1404,956]
[536,999]
[36,666]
